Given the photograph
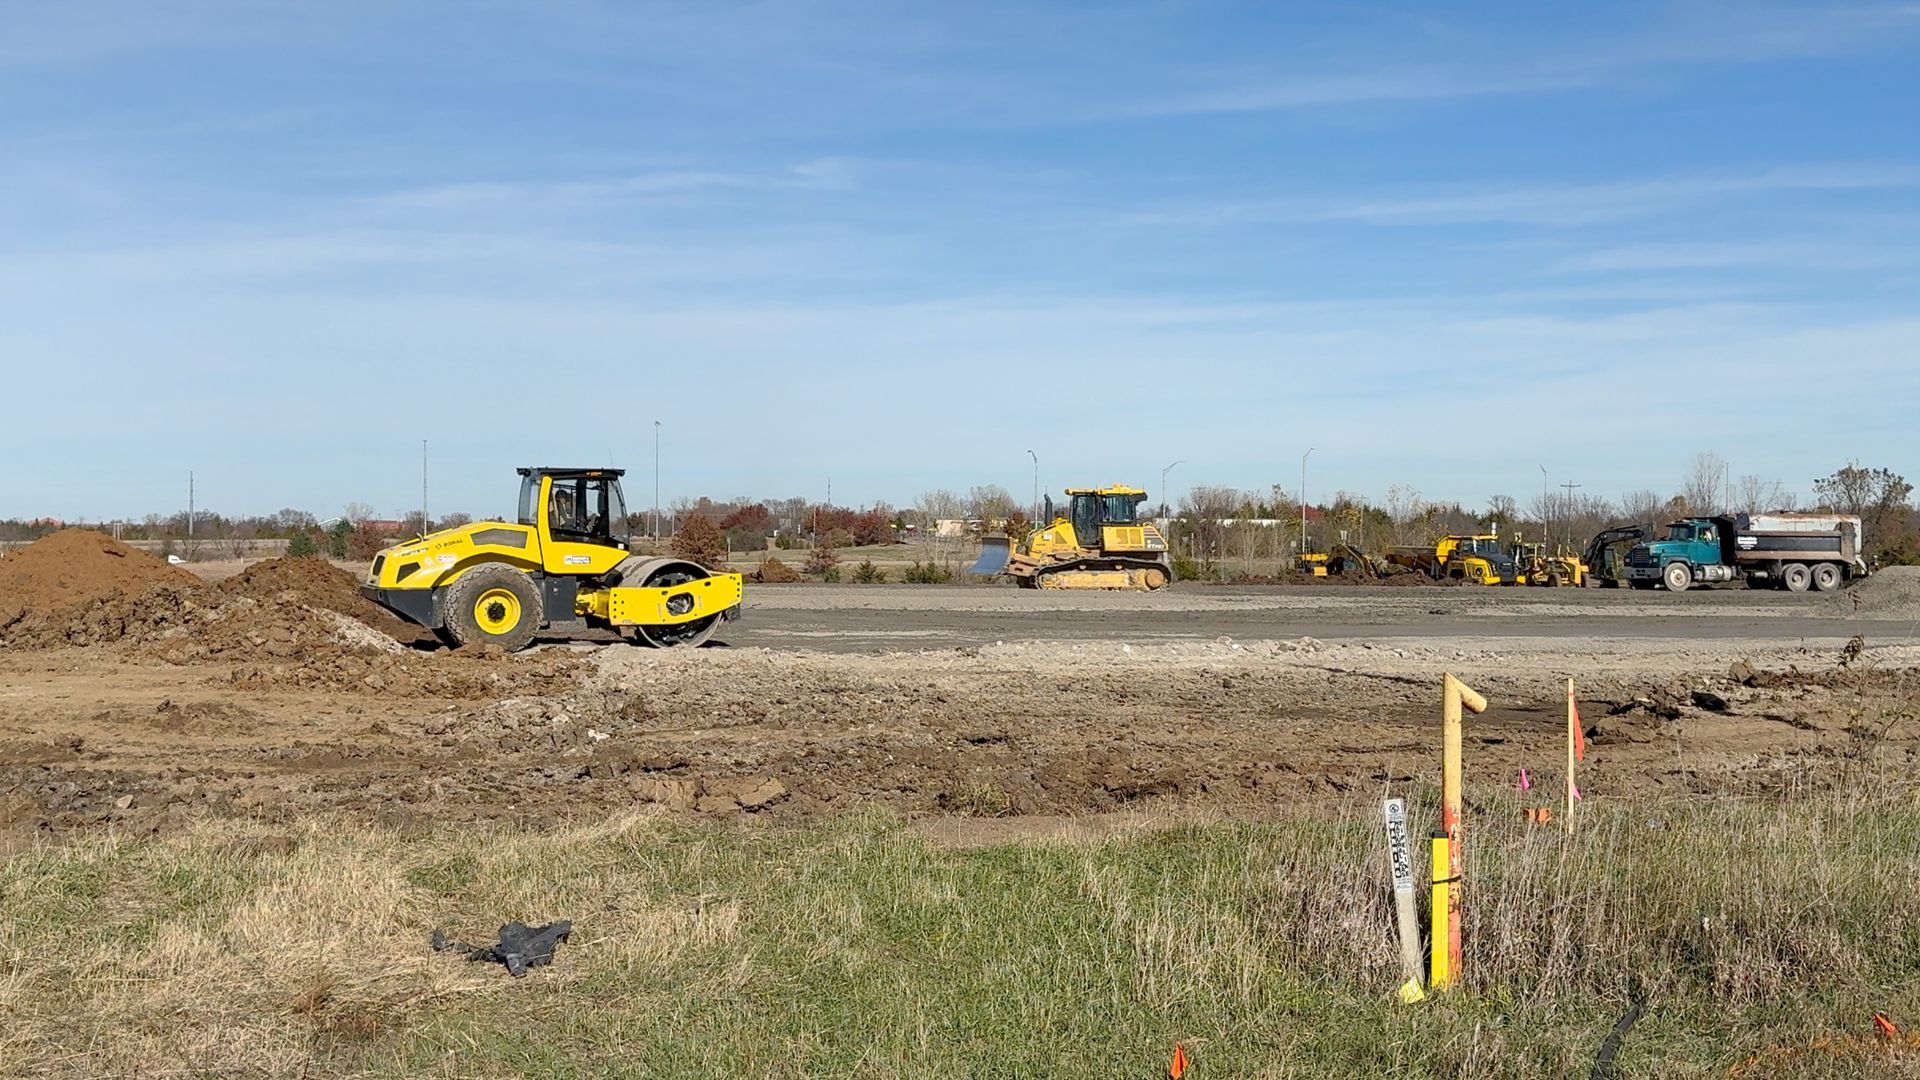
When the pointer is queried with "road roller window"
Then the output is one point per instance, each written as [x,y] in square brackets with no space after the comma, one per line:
[587,509]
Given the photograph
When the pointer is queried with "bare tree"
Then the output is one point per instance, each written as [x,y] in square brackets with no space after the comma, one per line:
[1754,495]
[990,503]
[1878,496]
[1643,505]
[357,512]
[1705,485]
[1503,512]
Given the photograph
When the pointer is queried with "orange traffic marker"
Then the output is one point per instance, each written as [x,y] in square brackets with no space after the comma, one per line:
[1178,1067]
[1885,1026]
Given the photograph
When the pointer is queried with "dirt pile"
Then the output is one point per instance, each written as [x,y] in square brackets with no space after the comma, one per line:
[74,567]
[1892,593]
[773,571]
[79,588]
[317,583]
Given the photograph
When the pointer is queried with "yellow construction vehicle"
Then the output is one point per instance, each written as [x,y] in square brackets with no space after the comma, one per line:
[1537,567]
[565,565]
[1343,559]
[1476,559]
[1099,543]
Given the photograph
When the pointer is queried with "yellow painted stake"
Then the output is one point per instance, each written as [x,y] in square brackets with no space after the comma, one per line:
[1440,970]
[1454,695]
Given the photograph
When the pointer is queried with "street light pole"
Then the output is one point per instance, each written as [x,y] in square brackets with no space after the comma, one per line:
[1036,486]
[654,525]
[1303,499]
[1164,509]
[1546,504]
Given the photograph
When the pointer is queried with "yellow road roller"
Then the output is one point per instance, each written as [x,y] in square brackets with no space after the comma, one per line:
[565,565]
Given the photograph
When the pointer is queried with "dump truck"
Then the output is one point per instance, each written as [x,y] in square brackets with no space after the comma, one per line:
[1477,559]
[1783,551]
[567,564]
[1099,543]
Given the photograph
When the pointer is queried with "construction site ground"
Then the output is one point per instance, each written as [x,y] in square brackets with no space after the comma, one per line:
[977,709]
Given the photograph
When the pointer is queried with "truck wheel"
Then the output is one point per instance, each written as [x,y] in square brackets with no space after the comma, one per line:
[1795,576]
[1677,576]
[493,605]
[1826,577]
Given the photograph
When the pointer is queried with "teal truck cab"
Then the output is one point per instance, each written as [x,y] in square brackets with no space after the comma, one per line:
[1783,551]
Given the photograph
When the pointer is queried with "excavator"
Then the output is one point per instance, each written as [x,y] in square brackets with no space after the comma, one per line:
[1605,555]
[1343,559]
[1099,543]
[567,564]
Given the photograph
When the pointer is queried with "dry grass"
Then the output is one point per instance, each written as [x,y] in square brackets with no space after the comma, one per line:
[1764,934]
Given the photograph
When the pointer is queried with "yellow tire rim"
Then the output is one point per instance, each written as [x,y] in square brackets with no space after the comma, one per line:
[497,611]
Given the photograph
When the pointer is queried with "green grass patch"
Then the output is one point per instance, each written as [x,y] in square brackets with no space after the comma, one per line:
[1763,935]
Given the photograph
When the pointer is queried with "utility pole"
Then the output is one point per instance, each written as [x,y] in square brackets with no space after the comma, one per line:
[1570,486]
[189,504]
[653,523]
[1303,499]
[1036,485]
[424,527]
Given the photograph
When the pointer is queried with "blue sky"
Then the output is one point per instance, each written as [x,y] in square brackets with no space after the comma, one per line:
[898,245]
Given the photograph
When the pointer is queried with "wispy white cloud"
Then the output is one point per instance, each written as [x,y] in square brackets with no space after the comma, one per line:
[1720,34]
[1547,205]
[1833,255]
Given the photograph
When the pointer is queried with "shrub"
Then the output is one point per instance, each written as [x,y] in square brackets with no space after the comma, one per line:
[830,575]
[822,559]
[302,546]
[338,537]
[928,573]
[701,541]
[868,574]
[365,541]
[1185,569]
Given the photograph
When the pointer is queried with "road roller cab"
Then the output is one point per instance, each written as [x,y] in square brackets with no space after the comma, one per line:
[566,564]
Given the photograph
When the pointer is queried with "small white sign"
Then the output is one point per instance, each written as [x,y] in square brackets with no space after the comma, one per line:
[1399,845]
[577,560]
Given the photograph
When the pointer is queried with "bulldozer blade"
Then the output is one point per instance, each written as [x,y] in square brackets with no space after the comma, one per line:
[993,556]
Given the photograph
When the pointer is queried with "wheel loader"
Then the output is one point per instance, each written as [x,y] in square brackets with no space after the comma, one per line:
[1099,543]
[565,565]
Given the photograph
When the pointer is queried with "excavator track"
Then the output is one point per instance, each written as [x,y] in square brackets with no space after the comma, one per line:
[1138,575]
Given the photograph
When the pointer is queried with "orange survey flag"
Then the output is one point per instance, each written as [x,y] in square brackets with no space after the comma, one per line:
[1178,1067]
[1576,730]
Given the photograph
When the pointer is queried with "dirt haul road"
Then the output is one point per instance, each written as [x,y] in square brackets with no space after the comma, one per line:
[275,698]
[856,618]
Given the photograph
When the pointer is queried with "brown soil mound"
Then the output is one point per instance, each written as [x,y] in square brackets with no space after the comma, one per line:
[318,583]
[774,571]
[75,566]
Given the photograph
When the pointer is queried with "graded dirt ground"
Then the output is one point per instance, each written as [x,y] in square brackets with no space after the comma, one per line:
[963,704]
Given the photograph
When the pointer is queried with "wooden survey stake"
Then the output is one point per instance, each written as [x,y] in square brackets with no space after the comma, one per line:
[1406,915]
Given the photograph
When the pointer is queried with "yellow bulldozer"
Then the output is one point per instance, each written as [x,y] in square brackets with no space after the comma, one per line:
[1099,543]
[1475,559]
[567,564]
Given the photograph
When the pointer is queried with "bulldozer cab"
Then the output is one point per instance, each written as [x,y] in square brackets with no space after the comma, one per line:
[1092,508]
